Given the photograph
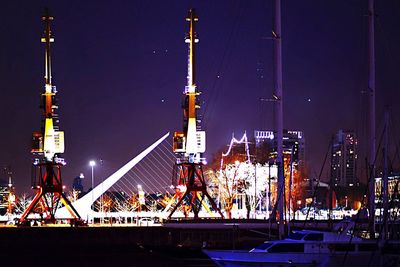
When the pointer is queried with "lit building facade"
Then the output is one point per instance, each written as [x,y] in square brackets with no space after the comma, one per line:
[6,197]
[292,140]
[344,159]
[393,188]
[3,197]
[293,160]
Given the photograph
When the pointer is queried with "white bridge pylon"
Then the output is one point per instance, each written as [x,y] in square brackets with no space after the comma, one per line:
[83,205]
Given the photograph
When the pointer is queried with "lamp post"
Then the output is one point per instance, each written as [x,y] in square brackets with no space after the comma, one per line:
[92,163]
[141,201]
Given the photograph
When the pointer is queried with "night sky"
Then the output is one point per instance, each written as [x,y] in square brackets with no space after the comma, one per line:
[120,69]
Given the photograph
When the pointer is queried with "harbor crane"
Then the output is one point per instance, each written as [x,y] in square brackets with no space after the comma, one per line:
[47,147]
[189,144]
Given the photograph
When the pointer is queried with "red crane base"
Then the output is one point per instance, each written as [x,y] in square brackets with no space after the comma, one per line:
[191,176]
[49,195]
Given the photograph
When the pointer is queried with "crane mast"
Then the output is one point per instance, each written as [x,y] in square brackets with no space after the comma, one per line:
[53,140]
[190,143]
[191,39]
[47,39]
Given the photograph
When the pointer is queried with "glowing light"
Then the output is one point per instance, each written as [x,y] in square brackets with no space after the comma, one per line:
[181,188]
[241,141]
[92,163]
[235,141]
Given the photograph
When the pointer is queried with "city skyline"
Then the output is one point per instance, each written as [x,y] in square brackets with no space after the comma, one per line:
[120,71]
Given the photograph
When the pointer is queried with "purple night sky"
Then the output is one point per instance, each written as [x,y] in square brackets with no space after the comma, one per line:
[120,69]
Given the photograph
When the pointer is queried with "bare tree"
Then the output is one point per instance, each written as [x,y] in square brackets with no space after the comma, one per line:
[127,204]
[22,203]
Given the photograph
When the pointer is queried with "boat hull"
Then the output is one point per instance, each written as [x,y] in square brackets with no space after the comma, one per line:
[245,258]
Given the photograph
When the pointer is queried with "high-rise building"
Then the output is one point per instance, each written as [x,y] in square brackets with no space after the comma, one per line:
[293,160]
[7,192]
[292,140]
[344,159]
[3,197]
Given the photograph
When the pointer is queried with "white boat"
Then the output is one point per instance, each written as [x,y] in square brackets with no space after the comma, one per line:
[312,248]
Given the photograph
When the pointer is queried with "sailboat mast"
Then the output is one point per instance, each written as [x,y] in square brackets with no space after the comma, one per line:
[385,176]
[372,130]
[278,105]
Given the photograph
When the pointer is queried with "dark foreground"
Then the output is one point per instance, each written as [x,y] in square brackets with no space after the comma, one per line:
[120,246]
[112,256]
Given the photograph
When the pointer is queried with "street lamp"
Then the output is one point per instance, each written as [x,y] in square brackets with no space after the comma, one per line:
[92,163]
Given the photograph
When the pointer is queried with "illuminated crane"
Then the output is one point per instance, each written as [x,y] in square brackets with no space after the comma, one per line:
[47,147]
[189,144]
